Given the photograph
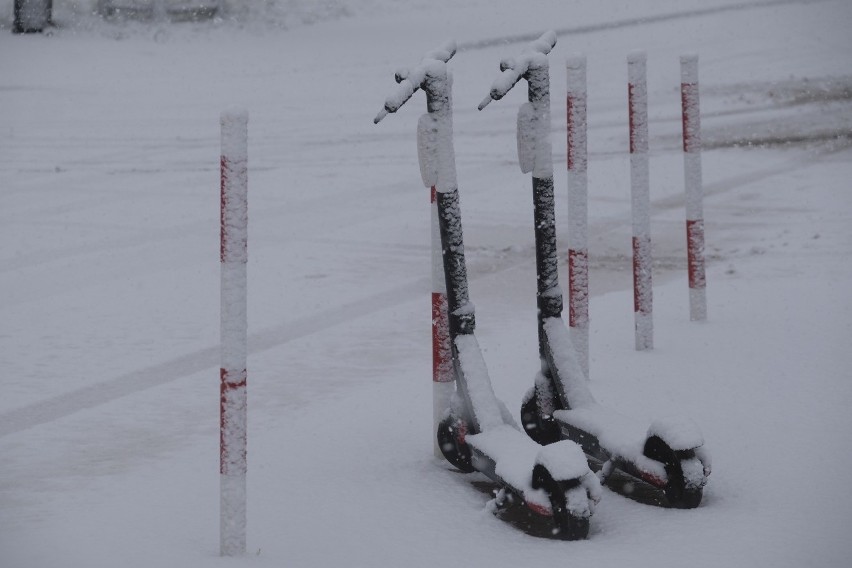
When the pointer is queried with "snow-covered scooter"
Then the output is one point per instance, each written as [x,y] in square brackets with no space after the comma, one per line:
[669,454]
[478,432]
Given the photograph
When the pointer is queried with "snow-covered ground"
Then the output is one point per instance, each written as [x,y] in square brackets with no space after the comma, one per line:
[109,276]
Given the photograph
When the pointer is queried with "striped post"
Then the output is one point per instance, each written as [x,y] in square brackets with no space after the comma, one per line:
[640,200]
[578,211]
[232,407]
[443,385]
[693,185]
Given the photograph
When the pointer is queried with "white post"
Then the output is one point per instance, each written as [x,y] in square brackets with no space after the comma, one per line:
[578,210]
[641,200]
[693,185]
[234,327]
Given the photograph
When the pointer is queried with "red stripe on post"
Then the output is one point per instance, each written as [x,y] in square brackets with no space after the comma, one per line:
[229,381]
[689,104]
[695,253]
[578,299]
[442,361]
[641,276]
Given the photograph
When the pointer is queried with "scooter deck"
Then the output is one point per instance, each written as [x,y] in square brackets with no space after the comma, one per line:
[609,436]
[508,456]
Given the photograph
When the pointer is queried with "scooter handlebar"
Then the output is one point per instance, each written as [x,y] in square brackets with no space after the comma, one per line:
[512,70]
[410,80]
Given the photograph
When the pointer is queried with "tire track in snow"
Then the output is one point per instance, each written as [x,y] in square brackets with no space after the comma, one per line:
[130,383]
[206,359]
[630,22]
[135,381]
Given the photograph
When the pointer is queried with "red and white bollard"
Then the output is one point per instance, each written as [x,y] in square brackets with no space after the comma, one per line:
[234,328]
[694,187]
[578,210]
[641,200]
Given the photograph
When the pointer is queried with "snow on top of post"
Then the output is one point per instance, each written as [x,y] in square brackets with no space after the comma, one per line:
[575,61]
[637,56]
[235,113]
[689,68]
[234,123]
[575,67]
[410,80]
[513,69]
[636,65]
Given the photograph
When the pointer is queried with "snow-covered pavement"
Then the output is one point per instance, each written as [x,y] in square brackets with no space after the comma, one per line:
[109,274]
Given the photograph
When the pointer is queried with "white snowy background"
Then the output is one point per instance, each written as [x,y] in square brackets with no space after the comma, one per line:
[109,279]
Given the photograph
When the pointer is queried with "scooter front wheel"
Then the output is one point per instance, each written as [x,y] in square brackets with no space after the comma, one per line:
[451,433]
[681,496]
[678,492]
[566,526]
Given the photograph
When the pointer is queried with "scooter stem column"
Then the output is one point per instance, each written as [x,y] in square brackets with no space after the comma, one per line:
[548,293]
